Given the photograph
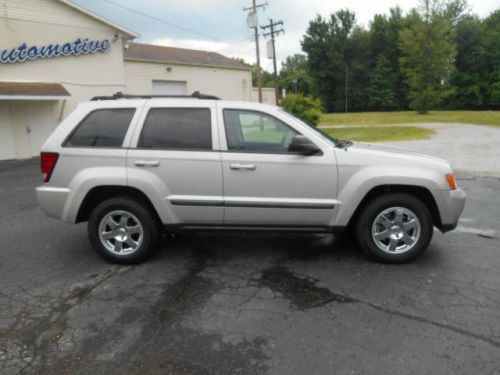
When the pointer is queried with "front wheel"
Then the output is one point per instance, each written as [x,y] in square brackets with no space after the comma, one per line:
[123,231]
[394,228]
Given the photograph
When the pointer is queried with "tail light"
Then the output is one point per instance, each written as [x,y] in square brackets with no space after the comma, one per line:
[47,163]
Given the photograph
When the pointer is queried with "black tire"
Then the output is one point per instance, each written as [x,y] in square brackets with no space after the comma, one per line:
[148,236]
[369,213]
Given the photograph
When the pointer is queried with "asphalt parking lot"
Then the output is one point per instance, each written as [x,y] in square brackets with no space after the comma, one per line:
[245,303]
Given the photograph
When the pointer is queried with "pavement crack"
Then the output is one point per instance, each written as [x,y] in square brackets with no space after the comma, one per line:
[42,334]
[179,297]
[304,294]
[424,320]
[78,294]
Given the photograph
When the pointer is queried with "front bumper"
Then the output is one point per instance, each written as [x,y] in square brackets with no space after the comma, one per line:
[450,205]
[52,200]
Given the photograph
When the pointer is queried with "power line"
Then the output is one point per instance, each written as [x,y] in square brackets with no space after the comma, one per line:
[222,50]
[165,22]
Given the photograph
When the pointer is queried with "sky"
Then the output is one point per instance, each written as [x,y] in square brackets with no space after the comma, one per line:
[220,25]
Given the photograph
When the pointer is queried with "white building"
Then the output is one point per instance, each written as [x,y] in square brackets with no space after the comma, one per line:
[161,70]
[54,54]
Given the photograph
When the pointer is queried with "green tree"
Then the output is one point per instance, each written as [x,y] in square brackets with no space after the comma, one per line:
[438,55]
[428,55]
[326,44]
[492,60]
[469,79]
[241,61]
[294,75]
[381,91]
[384,38]
[267,78]
[358,70]
[456,10]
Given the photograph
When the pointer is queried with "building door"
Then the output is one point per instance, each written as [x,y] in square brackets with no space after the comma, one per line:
[40,123]
[169,88]
[7,145]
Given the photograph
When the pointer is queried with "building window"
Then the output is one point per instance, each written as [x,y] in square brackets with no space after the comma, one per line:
[177,129]
[102,128]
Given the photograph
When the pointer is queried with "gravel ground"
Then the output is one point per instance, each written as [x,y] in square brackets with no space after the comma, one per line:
[472,150]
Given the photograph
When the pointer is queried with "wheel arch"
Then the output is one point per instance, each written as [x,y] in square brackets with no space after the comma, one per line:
[419,192]
[100,193]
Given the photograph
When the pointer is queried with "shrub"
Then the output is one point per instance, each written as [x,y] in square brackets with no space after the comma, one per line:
[305,107]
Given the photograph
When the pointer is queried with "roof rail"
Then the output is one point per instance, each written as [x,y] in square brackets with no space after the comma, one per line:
[120,95]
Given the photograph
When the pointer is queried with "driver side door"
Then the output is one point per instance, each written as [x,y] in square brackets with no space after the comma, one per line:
[263,183]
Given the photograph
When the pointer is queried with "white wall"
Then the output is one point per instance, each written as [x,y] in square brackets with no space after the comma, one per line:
[7,147]
[231,84]
[268,95]
[16,117]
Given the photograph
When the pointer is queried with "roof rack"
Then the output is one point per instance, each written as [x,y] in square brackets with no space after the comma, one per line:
[120,95]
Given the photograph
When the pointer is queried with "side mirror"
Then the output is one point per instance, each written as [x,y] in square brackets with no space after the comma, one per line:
[303,146]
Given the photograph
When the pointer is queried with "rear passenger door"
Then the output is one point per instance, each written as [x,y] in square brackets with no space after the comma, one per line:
[173,159]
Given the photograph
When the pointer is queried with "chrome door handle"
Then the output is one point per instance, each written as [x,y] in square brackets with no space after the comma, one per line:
[147,163]
[250,167]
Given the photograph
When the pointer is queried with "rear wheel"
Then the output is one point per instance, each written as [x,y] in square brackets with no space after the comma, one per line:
[394,228]
[123,230]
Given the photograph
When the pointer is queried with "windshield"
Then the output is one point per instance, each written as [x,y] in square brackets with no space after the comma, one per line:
[333,141]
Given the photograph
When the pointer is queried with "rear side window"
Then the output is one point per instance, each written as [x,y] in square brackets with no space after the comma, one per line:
[177,129]
[102,128]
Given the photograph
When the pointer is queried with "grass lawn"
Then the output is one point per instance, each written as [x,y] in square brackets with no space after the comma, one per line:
[381,133]
[272,136]
[364,134]
[381,118]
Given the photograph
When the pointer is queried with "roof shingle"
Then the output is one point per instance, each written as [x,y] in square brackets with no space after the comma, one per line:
[150,52]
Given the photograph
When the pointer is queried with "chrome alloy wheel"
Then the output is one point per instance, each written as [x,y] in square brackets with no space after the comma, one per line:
[396,230]
[121,232]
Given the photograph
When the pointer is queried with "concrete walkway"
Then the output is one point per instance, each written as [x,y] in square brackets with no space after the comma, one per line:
[472,150]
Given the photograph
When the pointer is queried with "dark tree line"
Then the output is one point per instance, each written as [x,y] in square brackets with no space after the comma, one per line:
[436,56]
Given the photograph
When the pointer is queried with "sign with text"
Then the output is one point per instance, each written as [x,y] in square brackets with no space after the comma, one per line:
[81,46]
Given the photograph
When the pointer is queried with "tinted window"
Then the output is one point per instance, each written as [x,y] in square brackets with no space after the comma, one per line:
[249,131]
[102,128]
[177,129]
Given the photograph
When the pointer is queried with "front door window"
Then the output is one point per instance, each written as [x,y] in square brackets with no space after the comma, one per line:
[256,132]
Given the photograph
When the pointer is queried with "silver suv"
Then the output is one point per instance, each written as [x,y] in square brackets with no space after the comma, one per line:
[134,166]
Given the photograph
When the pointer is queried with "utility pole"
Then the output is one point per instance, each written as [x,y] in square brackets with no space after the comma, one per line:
[273,33]
[254,24]
[346,82]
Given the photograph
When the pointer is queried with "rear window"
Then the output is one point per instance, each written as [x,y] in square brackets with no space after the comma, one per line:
[102,128]
[177,129]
